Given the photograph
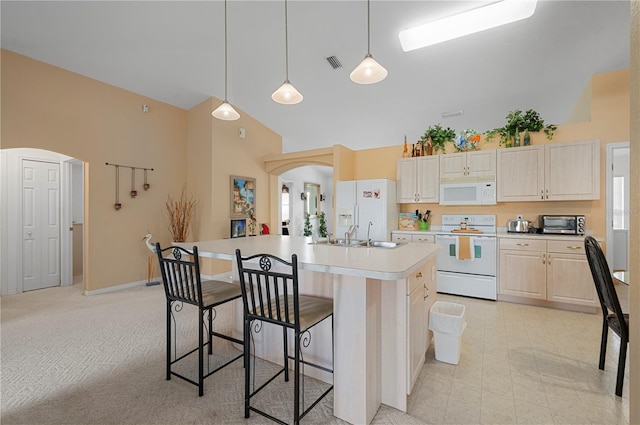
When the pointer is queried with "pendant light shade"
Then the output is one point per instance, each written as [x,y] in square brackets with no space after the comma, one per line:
[225,111]
[286,93]
[368,71]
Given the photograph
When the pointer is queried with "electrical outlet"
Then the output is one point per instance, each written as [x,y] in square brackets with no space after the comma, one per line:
[243,133]
[433,272]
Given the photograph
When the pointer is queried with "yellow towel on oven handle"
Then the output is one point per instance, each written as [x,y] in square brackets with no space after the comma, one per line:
[465,248]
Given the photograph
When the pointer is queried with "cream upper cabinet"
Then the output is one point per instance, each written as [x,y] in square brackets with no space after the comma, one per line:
[417,180]
[572,171]
[475,164]
[520,174]
[551,270]
[552,172]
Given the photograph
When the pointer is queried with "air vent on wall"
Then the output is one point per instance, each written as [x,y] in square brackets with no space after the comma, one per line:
[334,62]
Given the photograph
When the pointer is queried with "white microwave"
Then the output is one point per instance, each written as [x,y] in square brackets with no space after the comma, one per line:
[468,193]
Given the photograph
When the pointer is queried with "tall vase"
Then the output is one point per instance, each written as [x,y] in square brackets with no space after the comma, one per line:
[527,138]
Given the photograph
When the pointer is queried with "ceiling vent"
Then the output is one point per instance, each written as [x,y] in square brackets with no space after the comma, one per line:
[452,114]
[334,62]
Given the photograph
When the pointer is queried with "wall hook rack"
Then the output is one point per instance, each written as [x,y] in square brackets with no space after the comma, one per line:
[133,192]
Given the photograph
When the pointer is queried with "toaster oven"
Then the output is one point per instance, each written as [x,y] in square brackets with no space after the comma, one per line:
[562,224]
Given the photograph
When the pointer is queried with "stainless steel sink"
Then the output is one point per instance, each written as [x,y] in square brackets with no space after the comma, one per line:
[340,242]
[358,243]
[384,244]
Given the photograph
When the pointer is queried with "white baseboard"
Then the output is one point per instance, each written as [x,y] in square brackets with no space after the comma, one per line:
[116,288]
[226,277]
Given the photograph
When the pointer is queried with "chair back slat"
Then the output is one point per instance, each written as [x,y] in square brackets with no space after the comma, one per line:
[269,284]
[180,276]
[603,280]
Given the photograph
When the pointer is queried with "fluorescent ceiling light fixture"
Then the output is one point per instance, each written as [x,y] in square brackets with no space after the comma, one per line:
[472,21]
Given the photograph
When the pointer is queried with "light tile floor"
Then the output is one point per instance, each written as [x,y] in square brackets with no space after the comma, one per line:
[522,365]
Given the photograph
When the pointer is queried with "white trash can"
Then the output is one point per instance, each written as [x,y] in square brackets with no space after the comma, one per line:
[447,322]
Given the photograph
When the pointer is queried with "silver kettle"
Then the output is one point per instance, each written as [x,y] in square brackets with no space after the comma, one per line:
[518,226]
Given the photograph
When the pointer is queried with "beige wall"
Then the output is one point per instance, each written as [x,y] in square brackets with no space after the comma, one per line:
[49,108]
[215,152]
[610,123]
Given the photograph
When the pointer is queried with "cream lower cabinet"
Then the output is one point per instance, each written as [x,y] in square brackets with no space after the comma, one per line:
[523,268]
[408,237]
[417,180]
[569,278]
[550,270]
[568,171]
[421,293]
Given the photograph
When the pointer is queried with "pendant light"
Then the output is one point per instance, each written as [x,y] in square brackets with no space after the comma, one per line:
[225,111]
[286,94]
[369,71]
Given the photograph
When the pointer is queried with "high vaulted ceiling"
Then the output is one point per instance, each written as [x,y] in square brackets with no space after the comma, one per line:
[173,51]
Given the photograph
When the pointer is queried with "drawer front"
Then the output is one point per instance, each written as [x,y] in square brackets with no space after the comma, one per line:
[400,237]
[423,238]
[566,247]
[523,244]
[415,279]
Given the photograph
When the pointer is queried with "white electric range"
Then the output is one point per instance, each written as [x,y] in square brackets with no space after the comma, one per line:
[474,277]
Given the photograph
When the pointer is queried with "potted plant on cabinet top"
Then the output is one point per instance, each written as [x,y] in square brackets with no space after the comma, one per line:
[439,137]
[517,121]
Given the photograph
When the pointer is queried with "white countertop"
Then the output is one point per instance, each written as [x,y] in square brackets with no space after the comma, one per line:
[376,263]
[502,233]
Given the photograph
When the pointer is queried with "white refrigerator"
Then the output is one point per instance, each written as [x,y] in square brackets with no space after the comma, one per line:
[359,202]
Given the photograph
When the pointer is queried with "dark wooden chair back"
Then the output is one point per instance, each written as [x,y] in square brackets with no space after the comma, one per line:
[603,280]
[180,275]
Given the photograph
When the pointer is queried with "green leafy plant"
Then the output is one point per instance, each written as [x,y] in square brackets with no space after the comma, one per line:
[439,137]
[307,225]
[322,227]
[518,121]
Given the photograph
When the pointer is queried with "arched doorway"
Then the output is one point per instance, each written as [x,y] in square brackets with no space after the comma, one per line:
[42,197]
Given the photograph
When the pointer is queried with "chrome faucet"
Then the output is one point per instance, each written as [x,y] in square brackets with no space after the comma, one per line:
[350,232]
[369,233]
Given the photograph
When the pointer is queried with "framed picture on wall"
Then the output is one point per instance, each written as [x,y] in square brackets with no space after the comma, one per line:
[238,228]
[243,196]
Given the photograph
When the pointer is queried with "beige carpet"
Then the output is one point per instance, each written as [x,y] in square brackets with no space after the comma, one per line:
[72,359]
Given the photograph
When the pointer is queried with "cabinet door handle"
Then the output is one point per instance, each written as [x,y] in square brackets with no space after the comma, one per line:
[541,193]
[547,193]
[426,292]
[522,244]
[574,247]
[543,259]
[419,275]
[549,259]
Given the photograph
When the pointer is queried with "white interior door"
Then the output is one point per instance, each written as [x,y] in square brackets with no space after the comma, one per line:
[617,200]
[40,224]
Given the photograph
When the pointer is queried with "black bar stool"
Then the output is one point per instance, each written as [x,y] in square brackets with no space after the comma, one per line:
[182,284]
[270,294]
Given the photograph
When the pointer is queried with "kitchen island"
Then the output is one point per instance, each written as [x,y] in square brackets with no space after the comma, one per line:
[381,300]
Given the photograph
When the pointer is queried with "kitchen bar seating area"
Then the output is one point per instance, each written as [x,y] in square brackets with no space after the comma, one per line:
[516,367]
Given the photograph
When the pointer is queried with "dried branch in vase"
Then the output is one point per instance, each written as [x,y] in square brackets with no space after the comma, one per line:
[180,213]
